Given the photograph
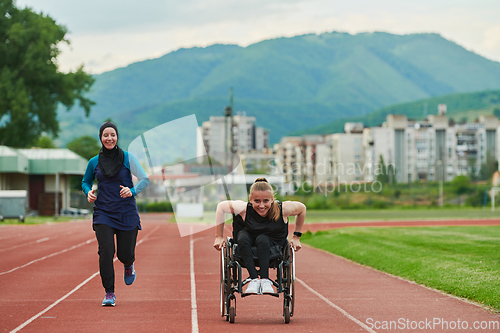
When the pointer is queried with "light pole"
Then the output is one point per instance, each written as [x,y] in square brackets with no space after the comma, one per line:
[440,168]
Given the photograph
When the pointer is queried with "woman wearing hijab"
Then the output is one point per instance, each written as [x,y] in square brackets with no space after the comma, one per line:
[115,209]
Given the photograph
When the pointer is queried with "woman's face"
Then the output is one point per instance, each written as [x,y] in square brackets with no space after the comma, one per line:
[261,201]
[108,138]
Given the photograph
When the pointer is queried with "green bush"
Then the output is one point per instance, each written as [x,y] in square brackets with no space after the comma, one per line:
[462,185]
[379,204]
[319,202]
[156,207]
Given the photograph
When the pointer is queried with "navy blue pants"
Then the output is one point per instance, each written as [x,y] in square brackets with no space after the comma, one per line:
[125,251]
[263,244]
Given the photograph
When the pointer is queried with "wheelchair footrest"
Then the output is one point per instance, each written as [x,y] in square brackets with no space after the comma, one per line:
[273,294]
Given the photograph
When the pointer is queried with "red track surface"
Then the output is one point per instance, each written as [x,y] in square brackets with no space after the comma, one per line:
[44,268]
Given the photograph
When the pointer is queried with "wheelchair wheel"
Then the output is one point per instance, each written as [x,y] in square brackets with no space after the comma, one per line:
[289,284]
[292,282]
[224,282]
[232,314]
[223,296]
[287,314]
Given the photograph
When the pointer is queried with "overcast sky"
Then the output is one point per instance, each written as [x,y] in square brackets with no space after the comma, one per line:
[106,34]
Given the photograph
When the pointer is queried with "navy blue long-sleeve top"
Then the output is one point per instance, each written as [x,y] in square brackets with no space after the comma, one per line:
[110,208]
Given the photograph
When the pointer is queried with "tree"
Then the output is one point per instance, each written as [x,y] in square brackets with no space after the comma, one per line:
[31,87]
[496,112]
[381,171]
[85,146]
[45,142]
[462,184]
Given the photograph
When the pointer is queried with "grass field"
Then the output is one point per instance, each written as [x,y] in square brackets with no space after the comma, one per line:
[462,261]
[39,220]
[315,216]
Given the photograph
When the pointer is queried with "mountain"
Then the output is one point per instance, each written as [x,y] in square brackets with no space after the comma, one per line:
[459,106]
[289,84]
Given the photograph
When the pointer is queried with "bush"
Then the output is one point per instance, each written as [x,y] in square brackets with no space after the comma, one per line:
[462,185]
[476,199]
[379,204]
[319,202]
[156,207]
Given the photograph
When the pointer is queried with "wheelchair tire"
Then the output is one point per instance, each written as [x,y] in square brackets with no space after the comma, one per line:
[224,282]
[286,314]
[223,296]
[289,282]
[232,314]
[292,291]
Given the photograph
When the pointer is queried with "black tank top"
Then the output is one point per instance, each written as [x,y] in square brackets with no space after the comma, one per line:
[257,225]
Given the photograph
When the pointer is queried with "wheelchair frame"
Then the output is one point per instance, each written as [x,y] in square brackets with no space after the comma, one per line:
[231,280]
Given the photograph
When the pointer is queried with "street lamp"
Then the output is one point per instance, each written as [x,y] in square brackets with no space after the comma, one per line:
[440,172]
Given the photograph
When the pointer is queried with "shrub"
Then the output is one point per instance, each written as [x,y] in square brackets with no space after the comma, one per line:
[379,204]
[319,202]
[157,207]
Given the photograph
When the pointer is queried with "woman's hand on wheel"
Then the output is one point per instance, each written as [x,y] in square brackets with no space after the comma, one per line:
[219,243]
[125,192]
[295,243]
[91,197]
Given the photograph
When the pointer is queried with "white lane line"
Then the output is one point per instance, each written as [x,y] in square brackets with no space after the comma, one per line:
[27,322]
[338,308]
[49,256]
[26,244]
[194,308]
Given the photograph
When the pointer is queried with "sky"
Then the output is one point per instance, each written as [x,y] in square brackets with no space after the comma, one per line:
[108,34]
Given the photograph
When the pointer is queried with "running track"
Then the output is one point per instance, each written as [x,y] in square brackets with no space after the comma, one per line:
[49,283]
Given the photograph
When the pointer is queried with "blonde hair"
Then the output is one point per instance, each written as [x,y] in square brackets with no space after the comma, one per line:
[261,184]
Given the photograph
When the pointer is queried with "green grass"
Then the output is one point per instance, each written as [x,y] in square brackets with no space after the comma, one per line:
[38,220]
[314,216]
[462,261]
[317,216]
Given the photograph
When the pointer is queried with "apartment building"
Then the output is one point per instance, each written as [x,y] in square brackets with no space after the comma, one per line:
[215,135]
[289,159]
[430,149]
[347,154]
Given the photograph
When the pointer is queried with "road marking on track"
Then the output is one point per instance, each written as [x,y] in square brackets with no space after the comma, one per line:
[49,256]
[27,322]
[26,244]
[194,307]
[338,308]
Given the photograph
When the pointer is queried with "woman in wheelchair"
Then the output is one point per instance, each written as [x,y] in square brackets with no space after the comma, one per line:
[266,225]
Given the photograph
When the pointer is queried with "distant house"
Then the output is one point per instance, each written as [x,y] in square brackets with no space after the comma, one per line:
[44,173]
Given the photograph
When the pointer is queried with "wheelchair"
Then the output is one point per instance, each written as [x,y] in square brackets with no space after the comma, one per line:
[282,259]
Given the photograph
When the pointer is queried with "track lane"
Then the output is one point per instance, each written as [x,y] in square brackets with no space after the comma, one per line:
[37,243]
[260,312]
[160,299]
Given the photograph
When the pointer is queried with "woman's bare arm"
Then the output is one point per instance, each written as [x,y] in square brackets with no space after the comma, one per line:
[297,209]
[225,207]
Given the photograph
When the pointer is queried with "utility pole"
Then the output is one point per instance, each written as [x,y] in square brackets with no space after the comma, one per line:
[441,176]
[229,137]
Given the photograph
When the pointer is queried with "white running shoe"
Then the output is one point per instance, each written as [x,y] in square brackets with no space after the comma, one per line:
[266,286]
[253,287]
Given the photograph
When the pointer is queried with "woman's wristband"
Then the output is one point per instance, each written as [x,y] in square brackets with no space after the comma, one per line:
[297,233]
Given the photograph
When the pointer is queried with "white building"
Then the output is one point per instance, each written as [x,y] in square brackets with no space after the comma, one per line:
[348,156]
[246,135]
[429,149]
[289,159]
